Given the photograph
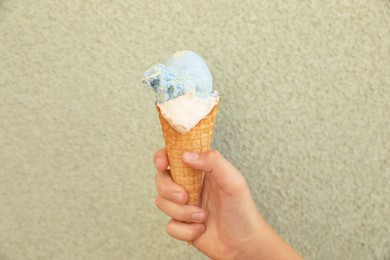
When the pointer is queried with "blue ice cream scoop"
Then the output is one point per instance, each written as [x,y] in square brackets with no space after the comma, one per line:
[185,73]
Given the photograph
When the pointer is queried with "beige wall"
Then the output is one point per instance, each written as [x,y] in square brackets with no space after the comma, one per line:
[305,116]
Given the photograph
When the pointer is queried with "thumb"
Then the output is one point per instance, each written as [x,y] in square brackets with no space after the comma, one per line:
[212,162]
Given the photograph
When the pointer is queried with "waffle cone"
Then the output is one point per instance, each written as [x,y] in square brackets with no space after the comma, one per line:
[198,139]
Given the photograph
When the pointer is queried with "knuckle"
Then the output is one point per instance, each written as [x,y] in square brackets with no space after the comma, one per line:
[163,187]
[158,154]
[158,202]
[169,228]
[215,154]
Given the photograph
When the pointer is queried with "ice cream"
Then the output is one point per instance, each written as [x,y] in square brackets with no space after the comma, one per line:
[187,108]
[183,89]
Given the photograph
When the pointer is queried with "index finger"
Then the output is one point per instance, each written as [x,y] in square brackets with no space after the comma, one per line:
[170,190]
[161,159]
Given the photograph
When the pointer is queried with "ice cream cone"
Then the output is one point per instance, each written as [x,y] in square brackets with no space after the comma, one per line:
[198,139]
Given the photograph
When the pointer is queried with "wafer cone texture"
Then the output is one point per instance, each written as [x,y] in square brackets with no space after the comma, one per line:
[198,139]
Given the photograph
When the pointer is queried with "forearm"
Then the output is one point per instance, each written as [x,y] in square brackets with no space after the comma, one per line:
[273,246]
[268,245]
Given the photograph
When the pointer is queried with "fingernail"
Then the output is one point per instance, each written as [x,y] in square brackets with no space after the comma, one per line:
[191,156]
[198,216]
[177,196]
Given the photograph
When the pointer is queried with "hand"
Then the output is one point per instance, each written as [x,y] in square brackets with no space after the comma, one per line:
[228,224]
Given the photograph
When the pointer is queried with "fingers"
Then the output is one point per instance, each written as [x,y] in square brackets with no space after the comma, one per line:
[221,170]
[184,213]
[171,200]
[164,184]
[161,159]
[186,223]
[185,231]
[169,190]
[172,197]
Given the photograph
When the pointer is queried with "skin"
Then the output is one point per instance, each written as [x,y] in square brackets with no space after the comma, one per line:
[228,224]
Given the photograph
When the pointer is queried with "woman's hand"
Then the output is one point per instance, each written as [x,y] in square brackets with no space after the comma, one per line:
[228,224]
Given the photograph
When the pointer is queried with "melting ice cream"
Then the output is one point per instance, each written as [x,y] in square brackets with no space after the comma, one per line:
[183,89]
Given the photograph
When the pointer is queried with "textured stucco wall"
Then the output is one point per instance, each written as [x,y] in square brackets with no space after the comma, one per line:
[310,130]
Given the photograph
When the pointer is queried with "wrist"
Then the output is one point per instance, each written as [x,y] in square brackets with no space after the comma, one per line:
[255,242]
[265,243]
